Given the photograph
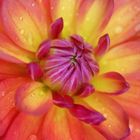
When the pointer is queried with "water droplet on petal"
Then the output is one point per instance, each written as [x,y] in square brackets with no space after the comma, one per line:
[32,137]
[3,93]
[30,39]
[118,29]
[22,31]
[52,7]
[33,4]
[137,27]
[20,18]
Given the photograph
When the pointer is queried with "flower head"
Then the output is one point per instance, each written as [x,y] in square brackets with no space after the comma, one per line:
[68,68]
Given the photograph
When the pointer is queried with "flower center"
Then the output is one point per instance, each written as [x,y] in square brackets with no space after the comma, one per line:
[69,64]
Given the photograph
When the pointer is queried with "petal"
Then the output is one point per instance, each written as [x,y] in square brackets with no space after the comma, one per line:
[111,82]
[24,127]
[24,22]
[65,9]
[135,129]
[124,59]
[43,50]
[61,125]
[86,115]
[9,70]
[103,45]
[34,71]
[62,101]
[121,27]
[90,24]
[34,98]
[11,52]
[131,100]
[115,127]
[56,28]
[7,103]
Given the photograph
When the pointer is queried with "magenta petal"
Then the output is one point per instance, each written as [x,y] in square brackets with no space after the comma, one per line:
[62,101]
[87,115]
[103,45]
[77,41]
[43,49]
[85,90]
[56,28]
[34,71]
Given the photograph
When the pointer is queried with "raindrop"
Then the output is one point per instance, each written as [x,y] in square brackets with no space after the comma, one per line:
[52,7]
[30,39]
[21,18]
[32,137]
[105,115]
[22,31]
[33,4]
[118,29]
[63,8]
[137,27]
[109,125]
[3,93]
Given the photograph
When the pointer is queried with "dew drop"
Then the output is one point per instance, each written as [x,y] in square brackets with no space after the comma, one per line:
[22,31]
[52,7]
[63,8]
[3,93]
[109,125]
[137,27]
[33,4]
[30,39]
[118,29]
[21,18]
[105,115]
[32,137]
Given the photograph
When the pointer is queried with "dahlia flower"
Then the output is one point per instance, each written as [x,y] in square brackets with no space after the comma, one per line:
[69,69]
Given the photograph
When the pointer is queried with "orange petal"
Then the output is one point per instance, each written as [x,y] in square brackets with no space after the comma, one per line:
[135,130]
[124,23]
[24,22]
[131,100]
[33,97]
[24,127]
[11,52]
[111,82]
[61,125]
[9,70]
[115,127]
[124,59]
[93,15]
[7,103]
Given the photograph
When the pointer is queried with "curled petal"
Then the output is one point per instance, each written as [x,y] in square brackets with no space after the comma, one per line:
[111,82]
[56,28]
[103,45]
[62,101]
[86,115]
[33,98]
[34,70]
[43,49]
[116,125]
[85,90]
